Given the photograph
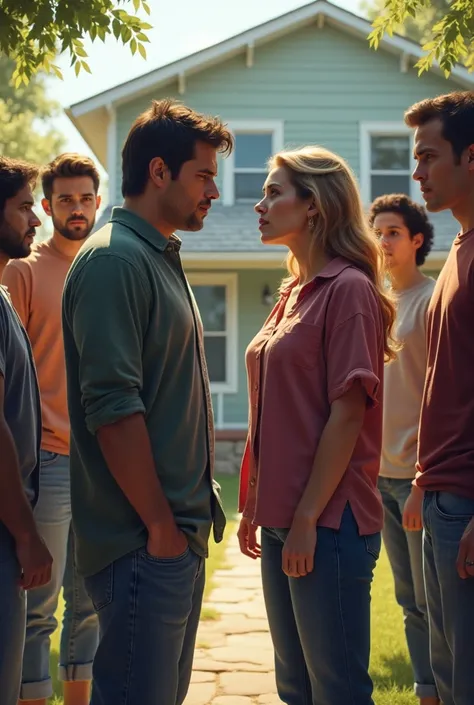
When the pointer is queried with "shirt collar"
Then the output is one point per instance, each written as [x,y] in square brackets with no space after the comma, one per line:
[333,268]
[330,271]
[144,229]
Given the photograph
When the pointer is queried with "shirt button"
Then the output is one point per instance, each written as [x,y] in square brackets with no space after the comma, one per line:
[256,387]
[253,481]
[257,355]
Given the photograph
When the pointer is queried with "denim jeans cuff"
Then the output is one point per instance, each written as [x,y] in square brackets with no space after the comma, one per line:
[36,690]
[75,672]
[425,690]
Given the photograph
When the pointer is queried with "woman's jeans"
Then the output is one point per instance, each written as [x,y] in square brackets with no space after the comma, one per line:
[320,623]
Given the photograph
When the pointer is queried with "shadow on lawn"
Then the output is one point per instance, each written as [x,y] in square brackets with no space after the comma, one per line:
[396,670]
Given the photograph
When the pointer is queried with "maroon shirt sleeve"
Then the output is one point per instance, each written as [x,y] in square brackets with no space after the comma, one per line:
[353,339]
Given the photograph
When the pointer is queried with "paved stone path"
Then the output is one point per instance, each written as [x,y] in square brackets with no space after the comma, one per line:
[233,663]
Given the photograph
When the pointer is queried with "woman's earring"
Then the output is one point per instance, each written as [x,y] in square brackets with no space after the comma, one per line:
[311,222]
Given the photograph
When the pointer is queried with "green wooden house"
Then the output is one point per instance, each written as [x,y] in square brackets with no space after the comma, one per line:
[308,76]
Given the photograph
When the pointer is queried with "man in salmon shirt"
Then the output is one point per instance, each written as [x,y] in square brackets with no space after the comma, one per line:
[444,152]
[70,185]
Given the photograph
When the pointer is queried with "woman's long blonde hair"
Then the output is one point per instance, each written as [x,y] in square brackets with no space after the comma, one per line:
[341,227]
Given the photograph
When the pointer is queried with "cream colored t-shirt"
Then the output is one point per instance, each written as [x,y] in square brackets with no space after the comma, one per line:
[404,380]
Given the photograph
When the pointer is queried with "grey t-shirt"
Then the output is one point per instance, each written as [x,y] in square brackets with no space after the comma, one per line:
[22,406]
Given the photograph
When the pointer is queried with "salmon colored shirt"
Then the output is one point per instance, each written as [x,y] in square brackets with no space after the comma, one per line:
[299,363]
[36,286]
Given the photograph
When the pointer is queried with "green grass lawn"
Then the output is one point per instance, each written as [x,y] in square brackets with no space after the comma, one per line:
[390,666]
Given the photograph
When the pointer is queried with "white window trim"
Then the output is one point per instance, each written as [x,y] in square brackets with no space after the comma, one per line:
[275,127]
[367,130]
[230,282]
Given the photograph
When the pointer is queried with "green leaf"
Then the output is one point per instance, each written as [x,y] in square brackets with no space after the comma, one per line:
[142,50]
[80,51]
[126,34]
[117,28]
[133,46]
[57,71]
[146,7]
[145,26]
[136,5]
[86,67]
[77,68]
[142,37]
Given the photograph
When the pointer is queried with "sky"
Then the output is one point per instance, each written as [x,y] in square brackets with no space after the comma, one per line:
[180,27]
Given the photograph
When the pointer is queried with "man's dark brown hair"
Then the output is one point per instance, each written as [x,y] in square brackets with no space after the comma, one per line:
[15,175]
[456,112]
[414,216]
[66,166]
[168,130]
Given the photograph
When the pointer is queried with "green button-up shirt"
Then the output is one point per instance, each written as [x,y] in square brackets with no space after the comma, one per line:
[134,343]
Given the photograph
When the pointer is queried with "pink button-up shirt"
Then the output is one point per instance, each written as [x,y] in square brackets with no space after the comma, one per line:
[300,362]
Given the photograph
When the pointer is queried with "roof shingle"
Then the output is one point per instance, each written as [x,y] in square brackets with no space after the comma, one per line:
[234,229]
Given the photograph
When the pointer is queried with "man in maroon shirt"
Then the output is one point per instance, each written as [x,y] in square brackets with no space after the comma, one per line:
[444,152]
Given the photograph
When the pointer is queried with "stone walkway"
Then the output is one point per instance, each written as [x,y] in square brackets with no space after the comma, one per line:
[233,664]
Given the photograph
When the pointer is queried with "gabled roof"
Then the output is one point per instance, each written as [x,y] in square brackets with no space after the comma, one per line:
[91,116]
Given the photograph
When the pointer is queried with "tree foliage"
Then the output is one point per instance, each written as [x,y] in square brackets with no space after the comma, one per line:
[444,27]
[416,28]
[24,116]
[33,32]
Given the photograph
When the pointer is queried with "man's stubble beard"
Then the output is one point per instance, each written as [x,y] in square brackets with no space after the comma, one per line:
[72,235]
[14,249]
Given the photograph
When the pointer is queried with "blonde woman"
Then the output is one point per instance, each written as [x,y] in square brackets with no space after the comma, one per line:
[309,474]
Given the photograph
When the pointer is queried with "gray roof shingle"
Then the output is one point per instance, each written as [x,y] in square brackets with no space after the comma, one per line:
[234,229]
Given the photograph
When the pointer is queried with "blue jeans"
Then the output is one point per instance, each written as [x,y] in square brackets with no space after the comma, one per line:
[148,614]
[450,598]
[12,620]
[320,624]
[79,636]
[405,553]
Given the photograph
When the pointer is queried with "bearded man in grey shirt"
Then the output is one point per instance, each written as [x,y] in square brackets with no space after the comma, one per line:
[25,562]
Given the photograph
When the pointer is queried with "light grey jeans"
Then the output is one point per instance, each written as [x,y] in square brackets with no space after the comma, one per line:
[405,553]
[79,636]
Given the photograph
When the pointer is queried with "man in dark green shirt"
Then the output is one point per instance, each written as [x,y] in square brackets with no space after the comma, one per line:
[142,436]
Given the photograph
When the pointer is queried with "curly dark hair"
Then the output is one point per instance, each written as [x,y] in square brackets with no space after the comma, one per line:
[414,216]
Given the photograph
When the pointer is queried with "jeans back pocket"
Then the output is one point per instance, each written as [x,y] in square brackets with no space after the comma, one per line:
[373,544]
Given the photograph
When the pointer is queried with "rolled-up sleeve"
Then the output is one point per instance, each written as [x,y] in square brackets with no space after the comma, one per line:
[352,355]
[354,341]
[106,310]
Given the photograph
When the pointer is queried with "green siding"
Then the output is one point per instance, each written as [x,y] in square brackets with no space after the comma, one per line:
[251,314]
[322,83]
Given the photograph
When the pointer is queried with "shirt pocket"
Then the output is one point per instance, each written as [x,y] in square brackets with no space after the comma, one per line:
[299,344]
